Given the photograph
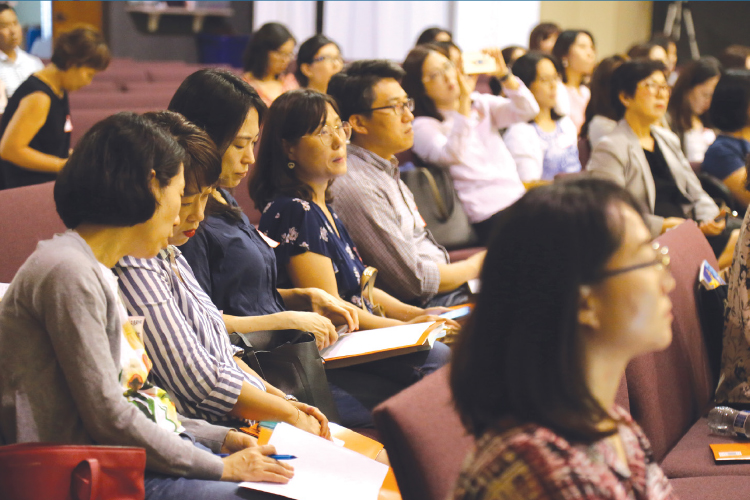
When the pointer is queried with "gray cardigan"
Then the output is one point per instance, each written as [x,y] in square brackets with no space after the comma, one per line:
[60,335]
[619,157]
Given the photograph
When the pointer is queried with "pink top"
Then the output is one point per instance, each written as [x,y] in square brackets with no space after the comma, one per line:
[579,99]
[483,171]
[288,82]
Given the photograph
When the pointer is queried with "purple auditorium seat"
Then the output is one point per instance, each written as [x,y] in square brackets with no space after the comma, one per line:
[28,216]
[139,87]
[247,205]
[84,119]
[169,73]
[711,488]
[124,100]
[122,75]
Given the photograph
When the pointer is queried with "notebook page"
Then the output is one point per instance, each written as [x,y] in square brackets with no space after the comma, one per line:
[375,340]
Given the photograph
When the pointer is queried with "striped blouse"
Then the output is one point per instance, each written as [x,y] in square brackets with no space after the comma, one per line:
[185,336]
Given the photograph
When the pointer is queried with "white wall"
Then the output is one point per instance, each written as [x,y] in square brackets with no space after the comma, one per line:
[298,16]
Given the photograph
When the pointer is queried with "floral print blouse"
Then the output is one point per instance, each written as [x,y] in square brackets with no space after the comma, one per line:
[301,226]
[734,380]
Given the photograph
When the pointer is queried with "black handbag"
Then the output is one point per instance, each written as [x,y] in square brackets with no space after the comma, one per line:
[440,207]
[711,309]
[290,361]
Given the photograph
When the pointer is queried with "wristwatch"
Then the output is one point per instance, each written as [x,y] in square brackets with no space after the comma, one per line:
[289,397]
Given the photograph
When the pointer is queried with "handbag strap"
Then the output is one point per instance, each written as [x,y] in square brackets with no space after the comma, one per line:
[367,282]
[86,480]
[444,213]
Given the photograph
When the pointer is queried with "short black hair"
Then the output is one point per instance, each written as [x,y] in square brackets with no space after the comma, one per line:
[627,76]
[412,81]
[508,52]
[525,68]
[107,178]
[202,165]
[731,101]
[352,87]
[217,101]
[642,50]
[734,57]
[307,52]
[540,33]
[563,43]
[84,46]
[4,6]
[269,37]
[292,115]
[520,354]
[430,34]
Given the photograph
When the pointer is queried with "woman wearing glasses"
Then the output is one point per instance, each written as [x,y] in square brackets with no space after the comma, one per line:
[267,58]
[458,129]
[302,151]
[648,160]
[548,426]
[318,59]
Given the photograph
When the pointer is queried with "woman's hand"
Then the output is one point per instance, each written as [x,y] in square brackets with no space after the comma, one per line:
[424,318]
[465,88]
[253,464]
[321,327]
[311,411]
[712,227]
[671,222]
[334,308]
[502,69]
[237,441]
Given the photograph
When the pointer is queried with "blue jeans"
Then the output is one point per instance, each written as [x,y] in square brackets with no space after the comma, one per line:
[358,389]
[163,487]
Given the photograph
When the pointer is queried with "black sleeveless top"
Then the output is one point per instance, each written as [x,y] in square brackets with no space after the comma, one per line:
[52,139]
[669,199]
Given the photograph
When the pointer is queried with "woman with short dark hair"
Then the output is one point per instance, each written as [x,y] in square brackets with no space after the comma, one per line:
[726,157]
[648,161]
[318,59]
[576,52]
[36,126]
[267,59]
[72,367]
[688,106]
[547,426]
[543,37]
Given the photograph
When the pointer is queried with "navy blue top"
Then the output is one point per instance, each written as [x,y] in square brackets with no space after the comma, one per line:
[725,156]
[301,226]
[234,265]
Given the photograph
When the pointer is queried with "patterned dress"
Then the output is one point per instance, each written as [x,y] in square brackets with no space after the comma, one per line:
[529,462]
[734,381]
[301,226]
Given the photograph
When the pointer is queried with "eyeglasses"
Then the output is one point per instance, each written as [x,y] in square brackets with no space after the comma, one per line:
[337,59]
[344,131]
[284,55]
[656,88]
[447,68]
[399,108]
[661,262]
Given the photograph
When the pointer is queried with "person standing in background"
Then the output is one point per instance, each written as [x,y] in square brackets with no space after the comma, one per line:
[16,65]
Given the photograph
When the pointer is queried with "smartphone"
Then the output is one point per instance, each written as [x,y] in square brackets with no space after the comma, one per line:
[456,313]
[476,63]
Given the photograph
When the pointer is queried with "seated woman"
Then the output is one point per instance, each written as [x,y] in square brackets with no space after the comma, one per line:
[302,151]
[576,51]
[266,60]
[543,37]
[688,106]
[457,129]
[730,114]
[184,333]
[71,365]
[235,264]
[647,159]
[36,126]
[601,117]
[548,426]
[318,59]
[649,50]
[547,145]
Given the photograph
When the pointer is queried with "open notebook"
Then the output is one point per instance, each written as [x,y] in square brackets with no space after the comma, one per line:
[370,345]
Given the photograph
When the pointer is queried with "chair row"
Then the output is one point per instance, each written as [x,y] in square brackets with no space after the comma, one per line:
[668,393]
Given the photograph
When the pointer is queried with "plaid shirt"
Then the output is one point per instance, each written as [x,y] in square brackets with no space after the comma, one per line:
[530,462]
[382,218]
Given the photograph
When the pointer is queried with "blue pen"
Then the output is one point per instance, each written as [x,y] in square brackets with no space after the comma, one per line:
[282,457]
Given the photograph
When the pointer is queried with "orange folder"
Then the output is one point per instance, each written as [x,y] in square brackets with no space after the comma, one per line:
[729,452]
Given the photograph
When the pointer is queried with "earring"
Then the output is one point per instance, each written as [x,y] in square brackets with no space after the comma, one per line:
[290,165]
[565,63]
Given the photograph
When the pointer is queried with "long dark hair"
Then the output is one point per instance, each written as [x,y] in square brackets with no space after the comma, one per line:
[563,43]
[600,85]
[306,54]
[692,74]
[525,68]
[292,115]
[269,37]
[520,355]
[217,101]
[412,82]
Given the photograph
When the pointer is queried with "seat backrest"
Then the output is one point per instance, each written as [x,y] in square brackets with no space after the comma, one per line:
[424,438]
[584,151]
[28,216]
[669,390]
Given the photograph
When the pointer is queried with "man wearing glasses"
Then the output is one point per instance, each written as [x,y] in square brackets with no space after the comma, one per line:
[375,205]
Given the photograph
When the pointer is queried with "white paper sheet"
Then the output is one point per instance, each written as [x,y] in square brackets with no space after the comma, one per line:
[322,469]
[475,285]
[379,339]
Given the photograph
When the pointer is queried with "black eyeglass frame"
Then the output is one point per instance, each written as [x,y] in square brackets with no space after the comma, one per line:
[662,259]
